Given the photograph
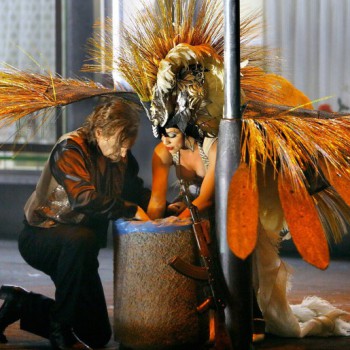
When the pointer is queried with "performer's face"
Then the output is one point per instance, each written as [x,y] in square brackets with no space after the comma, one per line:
[173,140]
[110,146]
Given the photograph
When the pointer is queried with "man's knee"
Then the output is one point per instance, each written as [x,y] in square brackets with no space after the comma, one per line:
[81,238]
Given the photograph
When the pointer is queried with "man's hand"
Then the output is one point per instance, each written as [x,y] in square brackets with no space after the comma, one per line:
[141,215]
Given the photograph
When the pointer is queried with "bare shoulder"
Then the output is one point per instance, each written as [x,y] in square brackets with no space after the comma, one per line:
[213,148]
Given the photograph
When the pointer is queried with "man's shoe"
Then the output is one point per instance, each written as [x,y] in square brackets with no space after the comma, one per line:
[62,337]
[10,310]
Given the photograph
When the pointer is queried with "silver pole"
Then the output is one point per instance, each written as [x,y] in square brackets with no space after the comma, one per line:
[237,273]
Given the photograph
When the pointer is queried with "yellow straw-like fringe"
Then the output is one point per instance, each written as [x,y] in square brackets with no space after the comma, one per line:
[293,143]
[23,93]
[159,28]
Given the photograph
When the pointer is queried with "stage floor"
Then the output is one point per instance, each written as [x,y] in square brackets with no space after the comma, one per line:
[332,285]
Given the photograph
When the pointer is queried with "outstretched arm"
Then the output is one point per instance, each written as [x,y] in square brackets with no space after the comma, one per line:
[161,163]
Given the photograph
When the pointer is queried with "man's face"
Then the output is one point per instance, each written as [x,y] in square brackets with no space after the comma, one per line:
[110,146]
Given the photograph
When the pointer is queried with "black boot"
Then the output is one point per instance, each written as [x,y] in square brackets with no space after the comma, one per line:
[10,310]
[62,337]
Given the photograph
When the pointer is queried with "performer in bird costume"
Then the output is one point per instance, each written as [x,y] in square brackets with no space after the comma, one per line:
[294,164]
[293,168]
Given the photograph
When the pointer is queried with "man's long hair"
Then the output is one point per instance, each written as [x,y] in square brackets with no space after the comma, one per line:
[112,116]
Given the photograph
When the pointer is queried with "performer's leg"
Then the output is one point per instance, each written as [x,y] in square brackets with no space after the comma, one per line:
[69,255]
[36,248]
[19,304]
[92,322]
[35,314]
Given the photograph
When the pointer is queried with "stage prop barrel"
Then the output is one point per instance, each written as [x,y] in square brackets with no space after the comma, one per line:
[155,306]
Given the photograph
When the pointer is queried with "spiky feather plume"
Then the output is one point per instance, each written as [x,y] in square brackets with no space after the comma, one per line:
[23,93]
[157,30]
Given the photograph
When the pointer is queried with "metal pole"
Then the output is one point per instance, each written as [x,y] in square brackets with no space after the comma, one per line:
[237,273]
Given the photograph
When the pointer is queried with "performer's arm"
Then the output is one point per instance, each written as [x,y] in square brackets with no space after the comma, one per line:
[161,163]
[207,191]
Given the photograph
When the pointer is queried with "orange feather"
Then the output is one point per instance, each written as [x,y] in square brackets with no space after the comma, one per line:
[303,222]
[242,212]
[340,181]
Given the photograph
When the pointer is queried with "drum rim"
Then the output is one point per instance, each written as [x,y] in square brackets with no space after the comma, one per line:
[125,226]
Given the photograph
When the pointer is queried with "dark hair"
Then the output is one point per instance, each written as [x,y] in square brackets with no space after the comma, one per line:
[111,116]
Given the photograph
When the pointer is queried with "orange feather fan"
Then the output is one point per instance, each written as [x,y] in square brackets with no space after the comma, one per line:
[291,140]
[303,222]
[242,213]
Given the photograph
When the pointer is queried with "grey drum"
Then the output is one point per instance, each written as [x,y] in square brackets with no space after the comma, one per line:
[155,306]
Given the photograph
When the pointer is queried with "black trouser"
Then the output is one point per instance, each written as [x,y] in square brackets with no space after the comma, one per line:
[69,255]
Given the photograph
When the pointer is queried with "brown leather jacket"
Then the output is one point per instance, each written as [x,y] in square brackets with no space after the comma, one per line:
[79,185]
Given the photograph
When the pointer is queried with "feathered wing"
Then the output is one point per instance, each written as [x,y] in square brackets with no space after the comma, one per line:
[33,95]
[296,142]
[307,150]
[23,93]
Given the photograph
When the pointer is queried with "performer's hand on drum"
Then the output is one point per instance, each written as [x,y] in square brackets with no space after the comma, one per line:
[177,207]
